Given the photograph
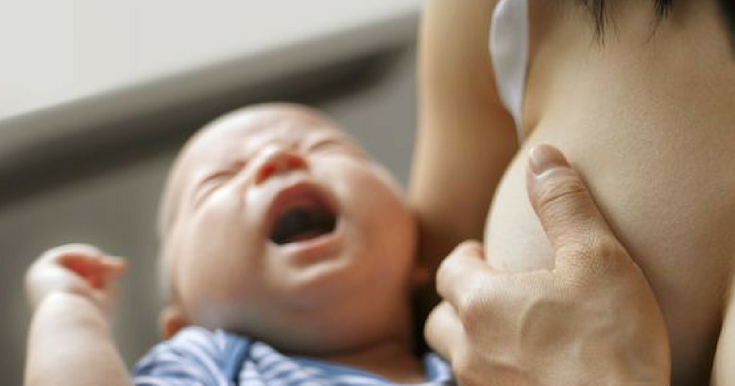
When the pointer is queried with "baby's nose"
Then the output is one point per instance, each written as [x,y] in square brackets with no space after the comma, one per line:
[277,160]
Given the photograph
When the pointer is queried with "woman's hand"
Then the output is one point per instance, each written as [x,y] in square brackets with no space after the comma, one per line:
[75,269]
[592,320]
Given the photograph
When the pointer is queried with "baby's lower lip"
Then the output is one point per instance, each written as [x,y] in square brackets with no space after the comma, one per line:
[313,250]
[306,236]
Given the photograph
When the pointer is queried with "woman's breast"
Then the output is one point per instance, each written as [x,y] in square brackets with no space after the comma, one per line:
[650,125]
[668,195]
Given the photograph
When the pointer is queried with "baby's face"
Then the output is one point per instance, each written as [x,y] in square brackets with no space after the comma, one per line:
[278,226]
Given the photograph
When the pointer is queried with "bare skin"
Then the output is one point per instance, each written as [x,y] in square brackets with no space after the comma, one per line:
[646,116]
[592,320]
[71,290]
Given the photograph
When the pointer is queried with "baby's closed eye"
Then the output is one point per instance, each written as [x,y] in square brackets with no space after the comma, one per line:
[207,186]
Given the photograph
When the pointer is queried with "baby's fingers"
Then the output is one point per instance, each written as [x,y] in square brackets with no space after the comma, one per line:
[96,270]
[84,264]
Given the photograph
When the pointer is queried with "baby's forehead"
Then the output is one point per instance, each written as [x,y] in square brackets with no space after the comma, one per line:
[255,127]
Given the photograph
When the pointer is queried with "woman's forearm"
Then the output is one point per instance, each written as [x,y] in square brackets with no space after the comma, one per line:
[70,343]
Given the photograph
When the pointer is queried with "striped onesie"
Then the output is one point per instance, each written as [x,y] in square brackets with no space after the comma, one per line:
[196,356]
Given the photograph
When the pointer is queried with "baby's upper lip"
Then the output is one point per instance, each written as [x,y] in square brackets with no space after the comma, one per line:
[293,194]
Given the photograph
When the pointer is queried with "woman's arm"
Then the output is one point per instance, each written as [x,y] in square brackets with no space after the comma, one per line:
[465,138]
[71,291]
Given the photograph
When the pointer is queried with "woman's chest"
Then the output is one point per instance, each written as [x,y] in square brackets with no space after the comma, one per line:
[667,205]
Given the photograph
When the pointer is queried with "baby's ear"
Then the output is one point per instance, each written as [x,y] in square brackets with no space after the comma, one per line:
[171,320]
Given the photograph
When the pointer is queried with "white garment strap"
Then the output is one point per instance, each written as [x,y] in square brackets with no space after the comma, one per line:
[509,55]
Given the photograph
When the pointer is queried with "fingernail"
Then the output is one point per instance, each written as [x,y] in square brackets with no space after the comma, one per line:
[545,157]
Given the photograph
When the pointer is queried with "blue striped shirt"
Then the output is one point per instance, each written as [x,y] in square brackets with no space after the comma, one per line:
[196,356]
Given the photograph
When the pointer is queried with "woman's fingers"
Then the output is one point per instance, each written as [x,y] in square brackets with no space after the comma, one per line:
[460,273]
[568,213]
[443,330]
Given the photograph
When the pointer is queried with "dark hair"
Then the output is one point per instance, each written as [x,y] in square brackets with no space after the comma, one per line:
[598,9]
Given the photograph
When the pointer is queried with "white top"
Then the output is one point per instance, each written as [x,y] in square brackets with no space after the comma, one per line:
[509,55]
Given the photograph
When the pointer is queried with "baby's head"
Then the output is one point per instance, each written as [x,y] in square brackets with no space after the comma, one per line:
[276,225]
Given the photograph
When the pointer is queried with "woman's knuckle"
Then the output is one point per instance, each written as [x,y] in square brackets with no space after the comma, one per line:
[471,310]
[611,255]
[598,257]
[563,191]
[605,248]
[463,305]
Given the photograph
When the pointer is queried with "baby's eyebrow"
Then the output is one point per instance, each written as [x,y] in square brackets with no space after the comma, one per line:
[327,138]
[312,143]
[213,173]
[229,163]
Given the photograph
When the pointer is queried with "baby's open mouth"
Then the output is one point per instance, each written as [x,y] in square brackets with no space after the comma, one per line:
[304,218]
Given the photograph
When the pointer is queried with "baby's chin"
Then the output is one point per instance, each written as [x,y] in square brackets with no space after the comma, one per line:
[324,340]
[322,334]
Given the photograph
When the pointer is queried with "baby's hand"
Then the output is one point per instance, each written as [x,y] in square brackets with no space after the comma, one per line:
[75,269]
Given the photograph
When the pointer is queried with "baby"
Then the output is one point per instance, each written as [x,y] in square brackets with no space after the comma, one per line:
[287,257]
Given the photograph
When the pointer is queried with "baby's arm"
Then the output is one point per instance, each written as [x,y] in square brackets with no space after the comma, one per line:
[70,341]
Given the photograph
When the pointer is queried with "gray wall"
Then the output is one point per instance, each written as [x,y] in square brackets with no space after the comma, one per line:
[115,209]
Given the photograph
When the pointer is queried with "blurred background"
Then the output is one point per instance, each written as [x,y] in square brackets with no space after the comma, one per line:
[97,97]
